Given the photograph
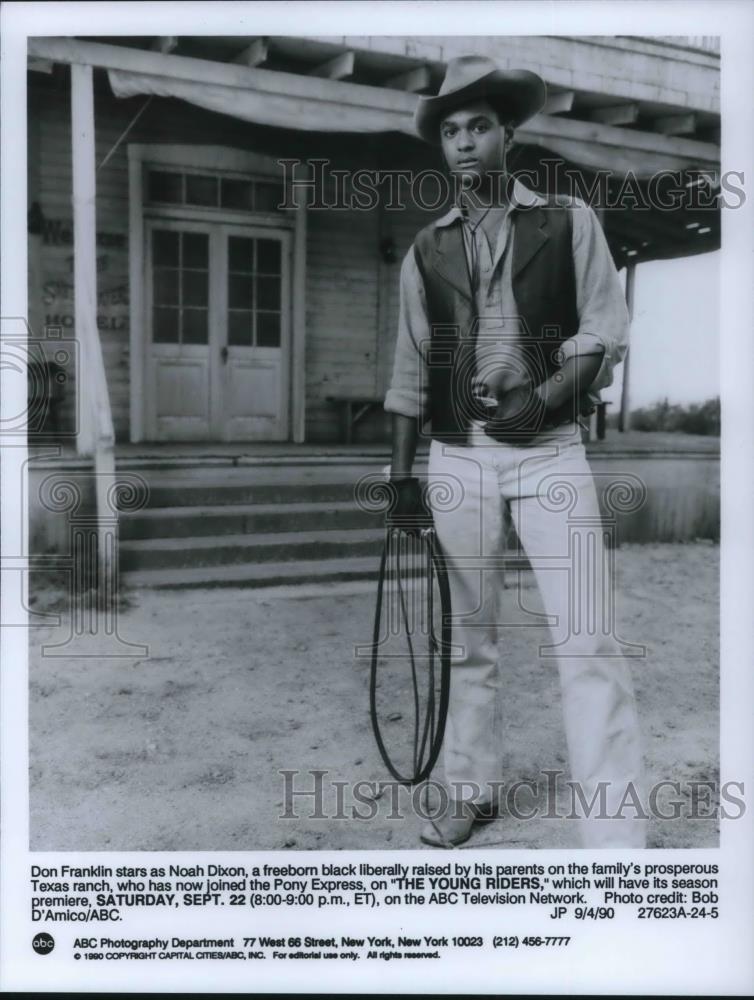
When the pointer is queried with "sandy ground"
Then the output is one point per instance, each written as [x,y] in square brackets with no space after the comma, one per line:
[181,747]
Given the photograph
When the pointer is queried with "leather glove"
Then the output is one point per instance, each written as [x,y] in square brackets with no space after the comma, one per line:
[408,512]
[521,413]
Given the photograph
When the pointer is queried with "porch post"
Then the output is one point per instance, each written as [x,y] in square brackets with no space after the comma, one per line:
[95,424]
[298,320]
[624,420]
[84,251]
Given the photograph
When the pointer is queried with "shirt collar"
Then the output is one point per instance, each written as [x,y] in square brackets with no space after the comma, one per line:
[520,197]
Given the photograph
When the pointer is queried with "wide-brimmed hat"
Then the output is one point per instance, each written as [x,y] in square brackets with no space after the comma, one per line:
[516,94]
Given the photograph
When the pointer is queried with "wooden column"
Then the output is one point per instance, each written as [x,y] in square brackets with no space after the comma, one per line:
[136,337]
[298,318]
[95,429]
[84,250]
[624,420]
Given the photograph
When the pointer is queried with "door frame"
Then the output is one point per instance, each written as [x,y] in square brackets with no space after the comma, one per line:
[217,158]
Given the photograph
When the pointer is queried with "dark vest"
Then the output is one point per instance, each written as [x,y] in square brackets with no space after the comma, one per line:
[544,288]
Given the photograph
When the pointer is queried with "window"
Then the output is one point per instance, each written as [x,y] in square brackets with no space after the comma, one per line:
[254,291]
[213,191]
[180,287]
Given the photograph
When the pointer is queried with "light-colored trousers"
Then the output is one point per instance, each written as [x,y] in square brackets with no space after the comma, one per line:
[554,507]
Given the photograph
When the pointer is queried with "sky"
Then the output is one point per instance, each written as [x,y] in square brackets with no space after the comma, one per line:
[675,333]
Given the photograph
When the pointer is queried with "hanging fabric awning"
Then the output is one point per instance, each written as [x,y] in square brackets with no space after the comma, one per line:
[299,112]
[302,103]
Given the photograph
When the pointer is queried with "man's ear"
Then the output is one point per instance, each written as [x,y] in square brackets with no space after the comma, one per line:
[508,136]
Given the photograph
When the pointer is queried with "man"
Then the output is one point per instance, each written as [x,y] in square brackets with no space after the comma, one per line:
[512,319]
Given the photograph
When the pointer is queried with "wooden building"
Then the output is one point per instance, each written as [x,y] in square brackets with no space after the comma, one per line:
[185,195]
[199,310]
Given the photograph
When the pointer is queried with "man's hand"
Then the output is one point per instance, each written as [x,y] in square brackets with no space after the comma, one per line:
[525,410]
[520,414]
[408,512]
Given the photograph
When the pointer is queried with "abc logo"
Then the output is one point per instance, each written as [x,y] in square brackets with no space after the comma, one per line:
[43,943]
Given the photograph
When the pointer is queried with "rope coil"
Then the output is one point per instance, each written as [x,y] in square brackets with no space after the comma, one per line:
[427,748]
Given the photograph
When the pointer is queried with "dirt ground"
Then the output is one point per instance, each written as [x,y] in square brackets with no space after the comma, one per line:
[180,748]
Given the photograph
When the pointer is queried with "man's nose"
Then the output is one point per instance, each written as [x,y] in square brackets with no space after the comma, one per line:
[465,141]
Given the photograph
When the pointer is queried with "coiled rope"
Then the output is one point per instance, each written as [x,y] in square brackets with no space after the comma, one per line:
[427,748]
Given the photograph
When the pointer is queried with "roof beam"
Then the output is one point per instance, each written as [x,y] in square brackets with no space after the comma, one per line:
[415,81]
[619,149]
[254,54]
[587,143]
[558,103]
[618,114]
[165,44]
[337,68]
[675,124]
[40,65]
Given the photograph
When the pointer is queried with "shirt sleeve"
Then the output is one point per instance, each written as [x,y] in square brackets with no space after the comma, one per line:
[600,301]
[409,388]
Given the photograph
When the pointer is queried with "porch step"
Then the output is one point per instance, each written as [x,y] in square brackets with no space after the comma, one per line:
[212,487]
[276,546]
[243,519]
[257,575]
[256,525]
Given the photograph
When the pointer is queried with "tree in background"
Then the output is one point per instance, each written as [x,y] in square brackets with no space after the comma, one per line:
[696,418]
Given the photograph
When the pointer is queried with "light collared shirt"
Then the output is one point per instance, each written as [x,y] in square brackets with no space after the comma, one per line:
[600,303]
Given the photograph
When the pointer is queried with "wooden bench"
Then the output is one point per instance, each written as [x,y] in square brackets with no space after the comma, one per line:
[352,410]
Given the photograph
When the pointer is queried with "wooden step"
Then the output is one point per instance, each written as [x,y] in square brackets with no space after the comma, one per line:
[238,519]
[257,575]
[278,546]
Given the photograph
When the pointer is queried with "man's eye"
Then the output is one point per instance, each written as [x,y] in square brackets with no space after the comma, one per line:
[448,132]
[481,127]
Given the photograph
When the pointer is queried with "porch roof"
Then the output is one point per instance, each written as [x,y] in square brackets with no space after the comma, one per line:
[626,106]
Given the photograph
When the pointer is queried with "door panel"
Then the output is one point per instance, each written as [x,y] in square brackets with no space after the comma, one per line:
[254,378]
[253,381]
[179,399]
[182,391]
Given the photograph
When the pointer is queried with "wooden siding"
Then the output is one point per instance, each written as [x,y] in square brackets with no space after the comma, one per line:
[352,296]
[341,342]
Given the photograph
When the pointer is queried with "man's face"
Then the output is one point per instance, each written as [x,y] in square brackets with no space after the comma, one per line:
[473,142]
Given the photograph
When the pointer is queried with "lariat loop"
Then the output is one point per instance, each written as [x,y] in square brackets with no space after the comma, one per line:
[426,748]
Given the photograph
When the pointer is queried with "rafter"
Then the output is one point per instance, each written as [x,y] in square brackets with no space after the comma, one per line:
[414,81]
[254,54]
[675,124]
[337,68]
[618,114]
[165,44]
[559,103]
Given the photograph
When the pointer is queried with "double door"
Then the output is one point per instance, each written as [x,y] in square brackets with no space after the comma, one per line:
[218,331]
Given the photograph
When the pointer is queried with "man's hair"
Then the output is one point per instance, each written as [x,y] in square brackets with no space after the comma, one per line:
[504,123]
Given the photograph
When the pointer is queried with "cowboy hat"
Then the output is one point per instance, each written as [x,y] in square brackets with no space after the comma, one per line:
[516,94]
